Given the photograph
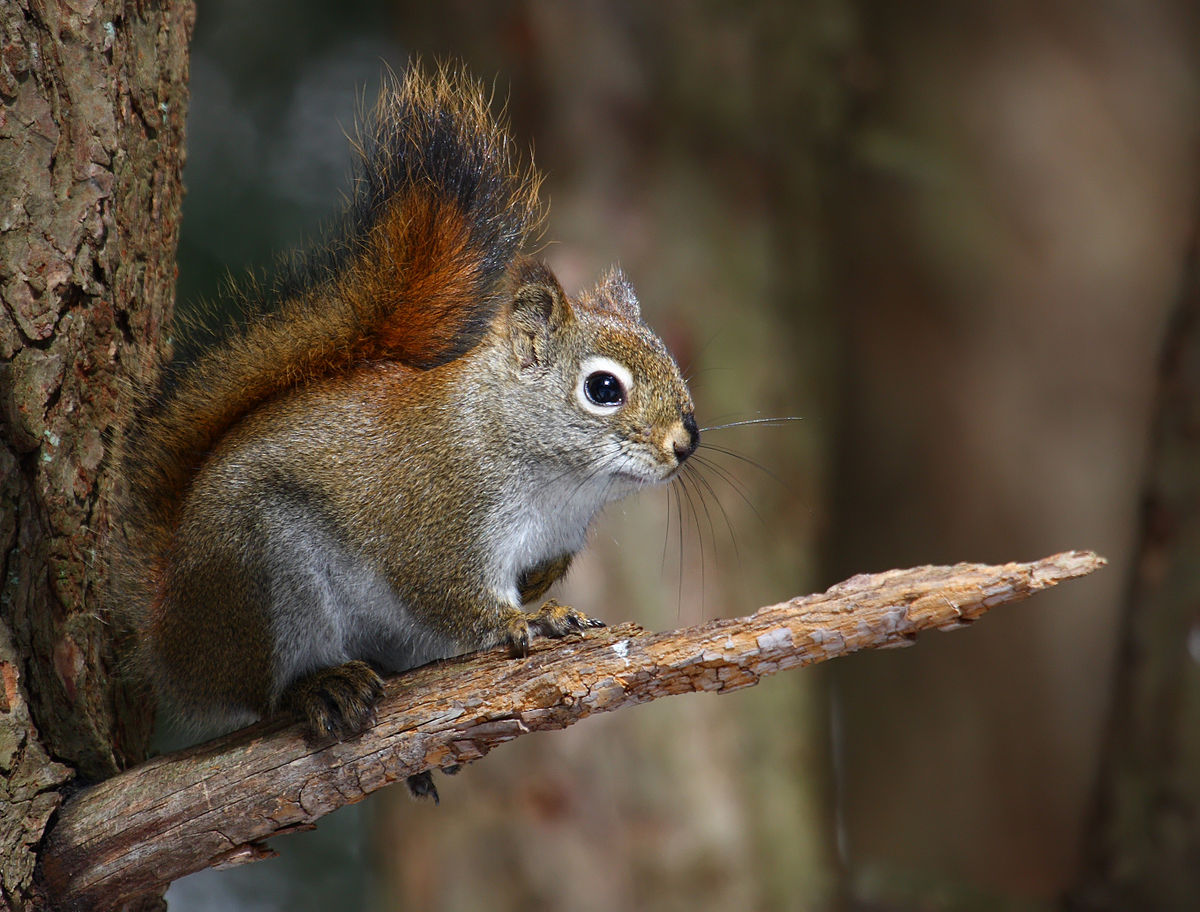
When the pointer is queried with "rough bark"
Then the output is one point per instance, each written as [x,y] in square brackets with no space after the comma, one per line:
[93,102]
[215,804]
[1143,847]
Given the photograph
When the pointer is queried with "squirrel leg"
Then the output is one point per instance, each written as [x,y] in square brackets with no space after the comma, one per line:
[552,620]
[534,582]
[338,701]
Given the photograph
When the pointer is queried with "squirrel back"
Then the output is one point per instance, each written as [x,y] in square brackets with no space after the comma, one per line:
[440,208]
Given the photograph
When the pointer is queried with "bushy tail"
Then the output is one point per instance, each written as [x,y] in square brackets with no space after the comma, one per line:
[439,209]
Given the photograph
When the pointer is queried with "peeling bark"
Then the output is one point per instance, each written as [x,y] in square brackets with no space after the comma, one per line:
[215,804]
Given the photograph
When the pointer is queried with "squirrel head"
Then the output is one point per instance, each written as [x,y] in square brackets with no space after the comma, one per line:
[605,393]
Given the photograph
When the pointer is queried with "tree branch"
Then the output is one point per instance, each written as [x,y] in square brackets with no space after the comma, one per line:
[215,804]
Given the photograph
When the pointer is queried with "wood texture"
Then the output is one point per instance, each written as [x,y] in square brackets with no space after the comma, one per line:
[215,804]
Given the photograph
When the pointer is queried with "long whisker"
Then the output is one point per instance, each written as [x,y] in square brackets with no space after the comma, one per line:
[694,478]
[734,454]
[667,531]
[730,480]
[699,478]
[768,422]
[699,534]
[679,524]
[724,474]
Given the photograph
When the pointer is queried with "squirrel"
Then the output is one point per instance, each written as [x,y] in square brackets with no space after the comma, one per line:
[402,450]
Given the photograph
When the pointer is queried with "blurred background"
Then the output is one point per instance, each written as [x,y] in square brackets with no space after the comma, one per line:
[947,236]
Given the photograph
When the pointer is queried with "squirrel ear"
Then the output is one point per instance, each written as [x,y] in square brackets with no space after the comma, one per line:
[539,309]
[613,294]
[616,291]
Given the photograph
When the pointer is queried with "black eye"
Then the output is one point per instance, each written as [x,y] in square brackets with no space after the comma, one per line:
[602,388]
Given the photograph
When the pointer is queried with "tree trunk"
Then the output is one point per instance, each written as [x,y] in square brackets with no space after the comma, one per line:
[95,97]
[1006,222]
[1143,848]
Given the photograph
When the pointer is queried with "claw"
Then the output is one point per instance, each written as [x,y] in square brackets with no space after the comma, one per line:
[552,620]
[555,620]
[519,636]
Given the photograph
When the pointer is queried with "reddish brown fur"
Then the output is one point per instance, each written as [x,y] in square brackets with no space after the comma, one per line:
[438,267]
[411,291]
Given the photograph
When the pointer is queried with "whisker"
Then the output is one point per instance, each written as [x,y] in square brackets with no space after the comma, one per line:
[679,523]
[734,454]
[667,531]
[725,475]
[700,479]
[699,534]
[765,422]
[731,480]
[721,418]
[712,530]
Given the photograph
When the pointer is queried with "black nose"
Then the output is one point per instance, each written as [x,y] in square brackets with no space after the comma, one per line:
[684,449]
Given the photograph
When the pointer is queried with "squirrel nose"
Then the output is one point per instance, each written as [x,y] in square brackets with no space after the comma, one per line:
[685,444]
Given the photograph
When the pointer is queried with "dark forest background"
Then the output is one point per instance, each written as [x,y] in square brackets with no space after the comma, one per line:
[949,237]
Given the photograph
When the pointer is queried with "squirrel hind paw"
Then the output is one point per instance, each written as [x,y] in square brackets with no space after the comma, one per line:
[421,786]
[551,620]
[337,702]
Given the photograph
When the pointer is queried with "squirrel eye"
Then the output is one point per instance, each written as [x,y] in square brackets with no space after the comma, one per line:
[603,388]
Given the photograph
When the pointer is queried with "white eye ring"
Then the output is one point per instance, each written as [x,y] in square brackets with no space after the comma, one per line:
[598,364]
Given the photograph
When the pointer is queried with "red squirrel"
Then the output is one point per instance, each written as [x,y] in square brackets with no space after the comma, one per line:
[410,446]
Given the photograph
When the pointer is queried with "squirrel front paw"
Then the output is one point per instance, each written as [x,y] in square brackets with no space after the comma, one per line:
[336,702]
[552,620]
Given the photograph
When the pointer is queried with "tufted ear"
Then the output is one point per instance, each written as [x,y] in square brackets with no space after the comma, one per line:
[539,309]
[614,293]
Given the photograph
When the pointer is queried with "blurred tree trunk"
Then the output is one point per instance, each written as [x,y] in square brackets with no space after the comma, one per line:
[94,100]
[1143,848]
[1008,223]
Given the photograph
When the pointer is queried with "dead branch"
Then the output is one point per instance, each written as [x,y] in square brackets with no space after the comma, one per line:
[215,804]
